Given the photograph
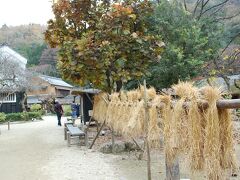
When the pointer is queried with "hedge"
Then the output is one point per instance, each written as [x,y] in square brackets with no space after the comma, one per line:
[24,116]
[67,110]
[35,108]
[2,117]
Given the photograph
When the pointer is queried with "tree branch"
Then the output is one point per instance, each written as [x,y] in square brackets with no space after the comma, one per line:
[233,38]
[196,6]
[224,18]
[202,7]
[185,5]
[215,6]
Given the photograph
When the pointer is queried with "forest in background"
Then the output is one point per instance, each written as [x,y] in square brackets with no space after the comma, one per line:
[28,40]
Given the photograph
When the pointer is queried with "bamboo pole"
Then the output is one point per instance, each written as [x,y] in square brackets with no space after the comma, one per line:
[146,131]
[221,104]
[98,130]
[138,146]
[97,135]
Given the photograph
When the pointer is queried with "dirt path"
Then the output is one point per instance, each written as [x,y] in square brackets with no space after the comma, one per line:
[37,151]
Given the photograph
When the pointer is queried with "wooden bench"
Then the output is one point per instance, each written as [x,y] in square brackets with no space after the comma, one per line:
[73,132]
[66,129]
[71,120]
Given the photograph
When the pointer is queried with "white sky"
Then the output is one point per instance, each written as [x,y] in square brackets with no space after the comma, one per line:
[18,12]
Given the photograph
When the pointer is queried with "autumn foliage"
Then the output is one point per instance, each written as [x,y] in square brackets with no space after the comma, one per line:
[103,43]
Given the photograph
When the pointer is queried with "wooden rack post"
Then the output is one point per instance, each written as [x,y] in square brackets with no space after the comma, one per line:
[146,131]
[99,130]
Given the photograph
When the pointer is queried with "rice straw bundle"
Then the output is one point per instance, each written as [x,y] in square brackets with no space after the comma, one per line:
[167,117]
[119,112]
[96,103]
[180,126]
[151,93]
[227,160]
[185,91]
[100,107]
[212,141]
[206,135]
[196,135]
[190,124]
[135,124]
[154,130]
[112,106]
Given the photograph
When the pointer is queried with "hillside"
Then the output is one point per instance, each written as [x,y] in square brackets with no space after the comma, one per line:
[28,40]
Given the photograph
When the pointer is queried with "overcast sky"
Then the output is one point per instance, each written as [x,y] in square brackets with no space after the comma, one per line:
[17,12]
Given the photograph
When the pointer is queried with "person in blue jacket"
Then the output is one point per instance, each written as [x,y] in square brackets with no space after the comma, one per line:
[74,109]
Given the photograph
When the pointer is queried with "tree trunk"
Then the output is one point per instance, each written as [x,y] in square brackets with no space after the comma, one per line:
[119,85]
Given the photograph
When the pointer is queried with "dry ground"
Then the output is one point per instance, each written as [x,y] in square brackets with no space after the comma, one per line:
[37,151]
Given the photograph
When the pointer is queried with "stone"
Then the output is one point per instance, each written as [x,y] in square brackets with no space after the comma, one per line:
[118,147]
[106,148]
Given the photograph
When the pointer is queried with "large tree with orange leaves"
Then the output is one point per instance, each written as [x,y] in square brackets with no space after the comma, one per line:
[103,43]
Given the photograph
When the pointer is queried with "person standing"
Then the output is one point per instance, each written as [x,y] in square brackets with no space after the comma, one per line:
[78,110]
[74,110]
[59,111]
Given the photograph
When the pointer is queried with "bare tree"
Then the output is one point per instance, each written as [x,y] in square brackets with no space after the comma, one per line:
[13,77]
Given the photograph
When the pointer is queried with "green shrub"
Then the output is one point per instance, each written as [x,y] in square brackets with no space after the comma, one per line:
[42,112]
[15,117]
[2,117]
[67,110]
[35,108]
[24,116]
[67,113]
[34,115]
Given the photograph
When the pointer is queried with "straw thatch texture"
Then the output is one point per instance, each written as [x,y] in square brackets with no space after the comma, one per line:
[212,141]
[100,107]
[205,135]
[227,160]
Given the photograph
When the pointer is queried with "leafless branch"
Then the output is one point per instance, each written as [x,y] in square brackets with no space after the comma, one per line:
[196,7]
[215,6]
[203,5]
[216,11]
[232,39]
[185,5]
[229,17]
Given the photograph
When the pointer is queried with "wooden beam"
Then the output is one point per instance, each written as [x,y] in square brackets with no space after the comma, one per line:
[228,104]
[146,123]
[221,104]
[97,135]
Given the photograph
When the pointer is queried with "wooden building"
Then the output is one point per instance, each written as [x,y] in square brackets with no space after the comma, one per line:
[86,102]
[12,101]
[44,87]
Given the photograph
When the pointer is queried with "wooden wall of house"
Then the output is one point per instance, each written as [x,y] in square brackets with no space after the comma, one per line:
[13,107]
[50,90]
[62,92]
